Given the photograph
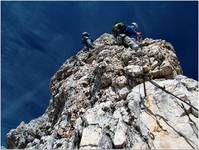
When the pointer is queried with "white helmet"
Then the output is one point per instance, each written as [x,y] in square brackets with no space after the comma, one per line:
[135,25]
[85,34]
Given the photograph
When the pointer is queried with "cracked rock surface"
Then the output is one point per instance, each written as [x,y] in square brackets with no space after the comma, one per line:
[97,96]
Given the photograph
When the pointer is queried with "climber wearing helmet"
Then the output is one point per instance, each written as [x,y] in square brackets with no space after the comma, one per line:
[131,31]
[124,35]
[118,31]
[87,41]
[118,28]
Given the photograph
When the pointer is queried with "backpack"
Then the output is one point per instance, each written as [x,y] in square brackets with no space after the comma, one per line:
[118,28]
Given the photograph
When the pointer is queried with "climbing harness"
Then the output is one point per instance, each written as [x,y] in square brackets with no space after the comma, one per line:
[139,39]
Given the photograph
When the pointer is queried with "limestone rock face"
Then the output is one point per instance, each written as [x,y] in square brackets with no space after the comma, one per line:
[97,97]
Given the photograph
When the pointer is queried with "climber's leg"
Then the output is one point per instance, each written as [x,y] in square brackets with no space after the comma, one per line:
[119,39]
[89,43]
[130,42]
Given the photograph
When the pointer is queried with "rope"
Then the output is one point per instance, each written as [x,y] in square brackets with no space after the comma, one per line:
[139,38]
[163,89]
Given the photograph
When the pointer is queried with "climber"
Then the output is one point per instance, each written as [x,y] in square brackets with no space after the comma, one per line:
[124,34]
[118,28]
[131,31]
[87,41]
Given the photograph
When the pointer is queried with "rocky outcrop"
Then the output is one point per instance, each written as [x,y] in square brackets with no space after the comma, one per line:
[97,97]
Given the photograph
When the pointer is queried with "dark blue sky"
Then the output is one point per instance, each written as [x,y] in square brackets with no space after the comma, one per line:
[37,37]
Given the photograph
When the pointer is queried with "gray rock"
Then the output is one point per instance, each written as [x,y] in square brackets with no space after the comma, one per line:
[120,81]
[91,137]
[121,115]
[165,119]
[134,70]
[120,137]
[123,93]
[98,99]
[105,142]
[134,100]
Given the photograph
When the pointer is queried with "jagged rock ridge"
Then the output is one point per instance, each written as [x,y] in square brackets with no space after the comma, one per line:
[96,98]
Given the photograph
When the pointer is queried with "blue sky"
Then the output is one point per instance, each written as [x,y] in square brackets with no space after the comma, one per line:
[37,37]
